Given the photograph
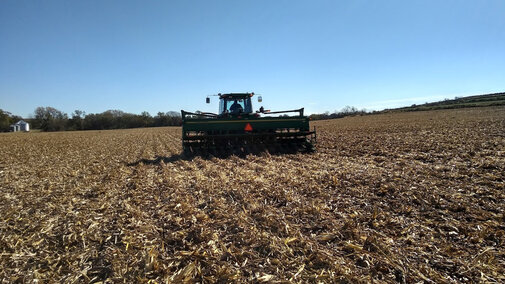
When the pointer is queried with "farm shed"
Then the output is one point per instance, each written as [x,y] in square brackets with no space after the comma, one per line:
[20,126]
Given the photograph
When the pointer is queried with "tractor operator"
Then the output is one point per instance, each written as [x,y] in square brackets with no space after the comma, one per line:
[236,107]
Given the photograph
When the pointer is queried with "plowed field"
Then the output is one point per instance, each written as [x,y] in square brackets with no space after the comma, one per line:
[403,197]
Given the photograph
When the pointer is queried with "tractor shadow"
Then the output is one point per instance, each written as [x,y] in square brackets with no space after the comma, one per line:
[208,156]
[158,159]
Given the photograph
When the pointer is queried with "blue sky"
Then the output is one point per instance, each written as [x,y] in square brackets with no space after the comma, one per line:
[322,55]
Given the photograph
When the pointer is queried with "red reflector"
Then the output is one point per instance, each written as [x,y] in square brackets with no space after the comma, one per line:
[248,127]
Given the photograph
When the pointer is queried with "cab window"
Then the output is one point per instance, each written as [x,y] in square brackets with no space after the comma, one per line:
[235,105]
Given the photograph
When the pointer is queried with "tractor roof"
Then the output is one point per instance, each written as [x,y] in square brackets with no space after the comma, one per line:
[235,95]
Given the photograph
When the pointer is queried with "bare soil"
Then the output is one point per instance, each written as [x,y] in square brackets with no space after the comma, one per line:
[404,197]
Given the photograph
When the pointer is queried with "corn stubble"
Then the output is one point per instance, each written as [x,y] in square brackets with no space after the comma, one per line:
[387,198]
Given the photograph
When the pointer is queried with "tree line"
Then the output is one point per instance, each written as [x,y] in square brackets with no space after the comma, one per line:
[346,111]
[52,119]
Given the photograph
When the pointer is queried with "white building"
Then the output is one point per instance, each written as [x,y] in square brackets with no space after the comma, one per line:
[20,126]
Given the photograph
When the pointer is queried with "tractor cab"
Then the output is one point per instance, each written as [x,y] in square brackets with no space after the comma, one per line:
[235,104]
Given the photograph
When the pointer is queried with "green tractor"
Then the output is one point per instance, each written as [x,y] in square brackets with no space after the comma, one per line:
[237,129]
